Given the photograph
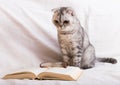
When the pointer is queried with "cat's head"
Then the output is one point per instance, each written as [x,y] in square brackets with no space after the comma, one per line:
[63,18]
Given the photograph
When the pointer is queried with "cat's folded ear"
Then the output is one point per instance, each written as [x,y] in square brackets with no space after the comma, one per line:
[70,11]
[55,10]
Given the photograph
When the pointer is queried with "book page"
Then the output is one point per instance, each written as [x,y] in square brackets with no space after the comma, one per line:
[36,71]
[74,72]
[29,73]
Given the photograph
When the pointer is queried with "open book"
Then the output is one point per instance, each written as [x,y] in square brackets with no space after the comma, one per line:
[54,73]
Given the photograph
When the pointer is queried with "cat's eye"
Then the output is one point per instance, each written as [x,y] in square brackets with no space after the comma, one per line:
[66,22]
[56,22]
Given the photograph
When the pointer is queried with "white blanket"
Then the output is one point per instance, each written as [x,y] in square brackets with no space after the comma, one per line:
[28,37]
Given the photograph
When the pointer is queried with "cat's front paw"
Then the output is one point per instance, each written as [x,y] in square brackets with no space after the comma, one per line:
[65,64]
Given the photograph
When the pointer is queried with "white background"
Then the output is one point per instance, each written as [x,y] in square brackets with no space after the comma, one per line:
[28,37]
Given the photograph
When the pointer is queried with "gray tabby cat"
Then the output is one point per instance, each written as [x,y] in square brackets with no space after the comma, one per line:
[74,42]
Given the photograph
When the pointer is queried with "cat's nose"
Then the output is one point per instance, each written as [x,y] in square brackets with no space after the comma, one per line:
[61,25]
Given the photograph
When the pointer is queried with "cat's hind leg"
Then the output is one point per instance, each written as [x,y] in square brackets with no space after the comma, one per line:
[88,58]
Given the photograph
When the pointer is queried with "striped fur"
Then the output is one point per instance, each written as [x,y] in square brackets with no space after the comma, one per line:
[108,60]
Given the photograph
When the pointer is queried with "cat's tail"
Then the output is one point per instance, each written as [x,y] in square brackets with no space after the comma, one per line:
[107,60]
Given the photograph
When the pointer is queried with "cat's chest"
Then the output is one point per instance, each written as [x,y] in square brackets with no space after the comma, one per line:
[69,40]
[66,39]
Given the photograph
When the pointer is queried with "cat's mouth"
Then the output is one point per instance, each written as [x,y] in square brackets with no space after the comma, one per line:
[67,32]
